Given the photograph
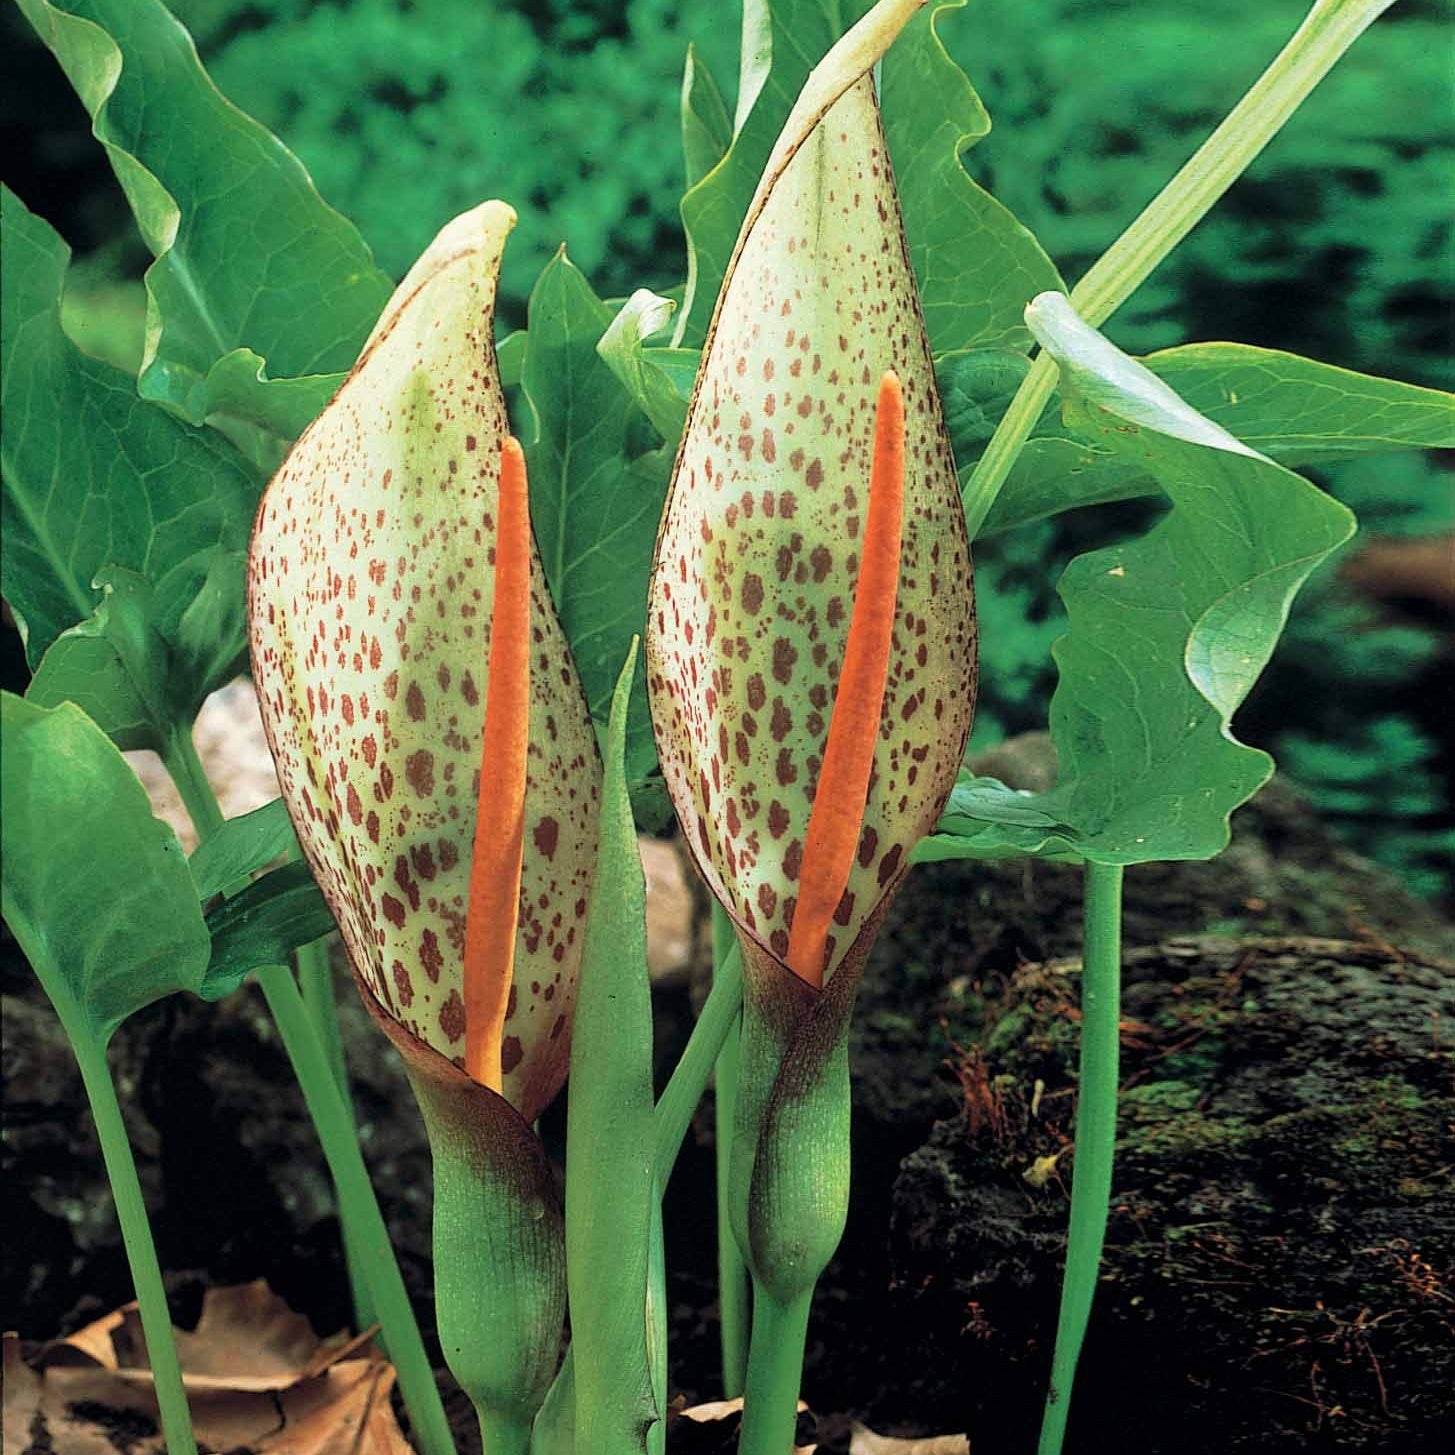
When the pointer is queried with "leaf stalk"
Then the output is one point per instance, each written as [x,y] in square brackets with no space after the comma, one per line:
[1328,30]
[136,1235]
[1096,1133]
[732,1273]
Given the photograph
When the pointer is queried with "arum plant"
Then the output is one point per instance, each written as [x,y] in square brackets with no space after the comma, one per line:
[811,659]
[810,654]
[440,767]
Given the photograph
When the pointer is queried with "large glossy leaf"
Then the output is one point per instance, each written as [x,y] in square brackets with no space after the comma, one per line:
[595,509]
[260,291]
[1301,412]
[1294,410]
[977,266]
[94,888]
[783,40]
[96,477]
[1167,634]
[609,1183]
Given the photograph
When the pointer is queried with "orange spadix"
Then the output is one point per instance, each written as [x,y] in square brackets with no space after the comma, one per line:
[494,905]
[843,784]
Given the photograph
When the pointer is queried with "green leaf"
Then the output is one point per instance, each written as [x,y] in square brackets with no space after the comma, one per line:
[1054,473]
[241,847]
[1294,410]
[95,890]
[1300,412]
[976,388]
[253,270]
[986,820]
[783,41]
[977,266]
[509,356]
[210,641]
[652,383]
[707,129]
[595,510]
[1168,632]
[113,666]
[262,925]
[610,1130]
[93,476]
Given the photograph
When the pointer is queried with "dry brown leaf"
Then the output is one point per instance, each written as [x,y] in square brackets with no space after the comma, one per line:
[725,1409]
[258,1379]
[863,1441]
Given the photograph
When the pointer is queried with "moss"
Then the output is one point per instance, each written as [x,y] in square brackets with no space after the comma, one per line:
[1281,1207]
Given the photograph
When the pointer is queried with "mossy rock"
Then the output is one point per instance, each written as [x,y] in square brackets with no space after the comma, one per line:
[1278,1272]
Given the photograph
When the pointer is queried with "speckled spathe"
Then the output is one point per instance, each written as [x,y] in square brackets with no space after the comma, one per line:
[370,600]
[756,563]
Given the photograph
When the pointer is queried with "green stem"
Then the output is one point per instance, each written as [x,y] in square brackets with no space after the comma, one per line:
[1096,1132]
[359,1214]
[1330,28]
[775,1371]
[181,761]
[359,1208]
[673,1115]
[136,1234]
[315,981]
[504,1435]
[684,1090]
[732,1272]
[657,1325]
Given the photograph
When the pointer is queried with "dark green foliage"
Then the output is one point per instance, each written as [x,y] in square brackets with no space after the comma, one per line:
[407,113]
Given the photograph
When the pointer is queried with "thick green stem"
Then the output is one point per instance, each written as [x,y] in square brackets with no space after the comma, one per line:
[684,1090]
[1330,28]
[359,1208]
[503,1435]
[775,1370]
[657,1332]
[1096,1132]
[732,1273]
[315,981]
[136,1234]
[675,1107]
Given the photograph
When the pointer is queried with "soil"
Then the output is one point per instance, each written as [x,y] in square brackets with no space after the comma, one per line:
[1306,1125]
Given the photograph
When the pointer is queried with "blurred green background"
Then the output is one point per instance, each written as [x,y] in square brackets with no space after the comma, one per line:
[1337,244]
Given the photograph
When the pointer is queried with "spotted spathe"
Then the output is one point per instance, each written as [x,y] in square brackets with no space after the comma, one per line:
[370,603]
[757,559]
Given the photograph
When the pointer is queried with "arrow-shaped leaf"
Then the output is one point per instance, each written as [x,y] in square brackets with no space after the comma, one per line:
[1168,632]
